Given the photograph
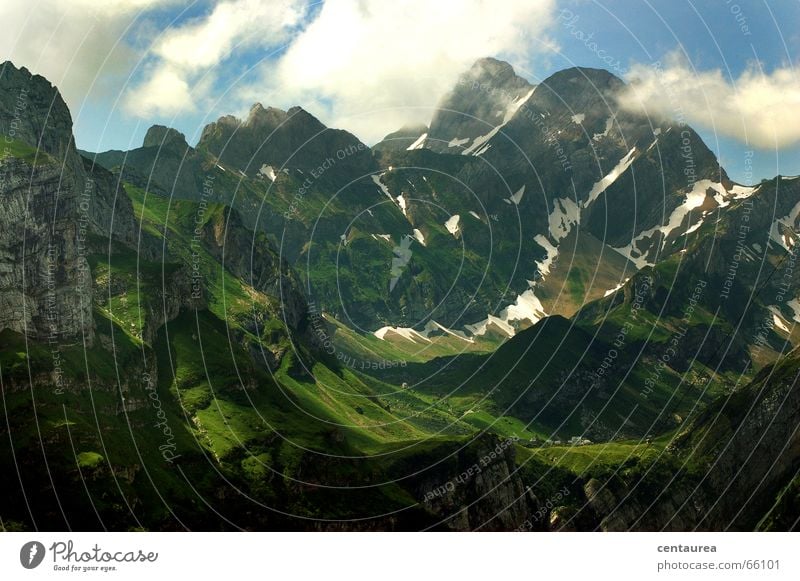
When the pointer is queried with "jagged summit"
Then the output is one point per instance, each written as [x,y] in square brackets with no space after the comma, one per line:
[260,115]
[499,74]
[33,112]
[161,136]
[580,88]
[491,66]
[403,138]
[274,137]
[484,97]
[594,76]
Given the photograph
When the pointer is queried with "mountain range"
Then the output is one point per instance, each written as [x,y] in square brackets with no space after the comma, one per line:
[538,311]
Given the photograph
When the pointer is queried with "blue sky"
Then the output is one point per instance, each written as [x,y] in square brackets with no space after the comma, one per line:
[713,34]
[370,66]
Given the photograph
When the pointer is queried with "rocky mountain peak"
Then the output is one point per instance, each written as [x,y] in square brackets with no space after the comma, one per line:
[484,97]
[33,112]
[161,136]
[276,137]
[264,116]
[493,70]
[589,75]
[401,139]
[579,87]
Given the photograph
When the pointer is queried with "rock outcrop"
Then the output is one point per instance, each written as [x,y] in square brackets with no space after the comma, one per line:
[57,209]
[44,280]
[292,138]
[45,285]
[32,112]
[735,458]
[478,488]
[250,257]
[484,97]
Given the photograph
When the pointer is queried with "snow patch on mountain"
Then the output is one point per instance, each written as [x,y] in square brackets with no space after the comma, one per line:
[740,192]
[475,148]
[401,201]
[420,336]
[526,307]
[564,215]
[481,327]
[474,215]
[721,197]
[456,142]
[514,106]
[782,231]
[794,304]
[377,179]
[552,252]
[419,237]
[268,171]
[601,186]
[578,118]
[694,199]
[609,125]
[432,325]
[778,320]
[516,198]
[419,143]
[611,291]
[452,224]
[483,149]
[401,258]
[404,332]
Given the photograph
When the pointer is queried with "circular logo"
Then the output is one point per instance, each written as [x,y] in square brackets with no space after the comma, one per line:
[31,554]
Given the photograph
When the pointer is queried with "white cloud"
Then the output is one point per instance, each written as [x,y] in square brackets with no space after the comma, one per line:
[165,92]
[75,44]
[762,109]
[378,64]
[368,66]
[365,65]
[175,81]
[241,23]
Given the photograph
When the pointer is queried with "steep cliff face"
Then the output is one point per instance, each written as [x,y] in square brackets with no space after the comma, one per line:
[33,112]
[111,214]
[45,287]
[45,283]
[484,97]
[250,257]
[56,210]
[161,136]
[477,488]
